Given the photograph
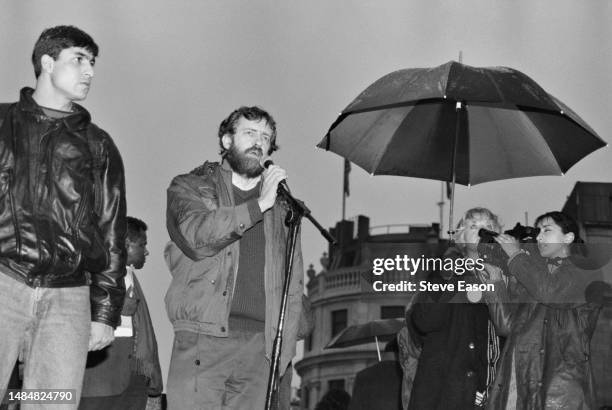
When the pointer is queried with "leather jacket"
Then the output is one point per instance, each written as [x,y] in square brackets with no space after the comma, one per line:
[549,325]
[62,204]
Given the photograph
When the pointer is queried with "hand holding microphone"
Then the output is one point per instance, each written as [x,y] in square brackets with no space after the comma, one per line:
[273,180]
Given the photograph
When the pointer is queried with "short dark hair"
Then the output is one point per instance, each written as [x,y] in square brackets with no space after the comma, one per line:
[135,228]
[228,125]
[55,39]
[565,222]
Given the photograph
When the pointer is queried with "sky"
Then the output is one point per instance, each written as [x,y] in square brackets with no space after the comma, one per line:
[170,71]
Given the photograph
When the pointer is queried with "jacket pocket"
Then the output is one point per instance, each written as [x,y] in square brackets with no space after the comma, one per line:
[194,284]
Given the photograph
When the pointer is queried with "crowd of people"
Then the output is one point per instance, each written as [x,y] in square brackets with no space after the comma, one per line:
[75,319]
[524,345]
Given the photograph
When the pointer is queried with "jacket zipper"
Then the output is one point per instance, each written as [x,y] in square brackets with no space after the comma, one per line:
[38,186]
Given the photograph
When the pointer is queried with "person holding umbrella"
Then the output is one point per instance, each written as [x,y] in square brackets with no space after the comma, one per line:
[459,345]
[548,320]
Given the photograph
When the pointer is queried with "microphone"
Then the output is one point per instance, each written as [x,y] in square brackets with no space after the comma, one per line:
[282,186]
[295,204]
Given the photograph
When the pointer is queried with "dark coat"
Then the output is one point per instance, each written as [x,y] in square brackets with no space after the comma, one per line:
[378,387]
[455,335]
[549,336]
[205,228]
[109,371]
[62,204]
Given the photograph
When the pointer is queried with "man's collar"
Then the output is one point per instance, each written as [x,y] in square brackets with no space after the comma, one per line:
[79,119]
[226,166]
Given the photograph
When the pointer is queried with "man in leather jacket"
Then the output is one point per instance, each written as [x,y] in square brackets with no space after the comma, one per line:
[227,258]
[62,221]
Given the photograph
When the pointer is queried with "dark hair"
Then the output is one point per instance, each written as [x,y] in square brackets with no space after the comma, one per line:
[228,125]
[55,39]
[565,222]
[135,228]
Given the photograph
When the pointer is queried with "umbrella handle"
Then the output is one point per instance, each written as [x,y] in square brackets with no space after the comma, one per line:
[377,348]
[459,109]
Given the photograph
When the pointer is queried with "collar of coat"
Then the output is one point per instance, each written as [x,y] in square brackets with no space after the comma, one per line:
[77,120]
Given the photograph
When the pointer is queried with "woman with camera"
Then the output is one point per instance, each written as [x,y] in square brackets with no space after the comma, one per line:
[547,320]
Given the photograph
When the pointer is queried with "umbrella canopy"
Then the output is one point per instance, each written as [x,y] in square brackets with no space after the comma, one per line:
[460,123]
[370,332]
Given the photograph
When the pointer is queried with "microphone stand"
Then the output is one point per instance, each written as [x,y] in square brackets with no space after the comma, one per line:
[297,209]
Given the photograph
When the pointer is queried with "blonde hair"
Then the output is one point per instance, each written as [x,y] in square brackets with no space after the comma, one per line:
[471,214]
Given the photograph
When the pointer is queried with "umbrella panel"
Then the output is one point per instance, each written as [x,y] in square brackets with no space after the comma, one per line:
[506,144]
[454,81]
[423,145]
[415,140]
[568,141]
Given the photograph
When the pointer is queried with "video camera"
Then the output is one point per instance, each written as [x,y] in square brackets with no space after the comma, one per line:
[491,251]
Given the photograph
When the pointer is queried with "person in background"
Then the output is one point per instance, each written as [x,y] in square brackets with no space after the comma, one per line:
[126,374]
[334,399]
[379,386]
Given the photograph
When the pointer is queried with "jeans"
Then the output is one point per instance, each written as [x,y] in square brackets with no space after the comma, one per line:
[49,329]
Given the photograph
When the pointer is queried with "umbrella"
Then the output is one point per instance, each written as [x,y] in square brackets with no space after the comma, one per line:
[460,124]
[377,330]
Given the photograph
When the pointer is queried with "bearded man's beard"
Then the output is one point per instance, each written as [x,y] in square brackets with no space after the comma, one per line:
[243,164]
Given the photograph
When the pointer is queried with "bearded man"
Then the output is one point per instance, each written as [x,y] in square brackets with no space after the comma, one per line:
[227,258]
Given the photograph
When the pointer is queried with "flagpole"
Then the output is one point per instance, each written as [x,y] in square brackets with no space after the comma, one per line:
[343,204]
[346,169]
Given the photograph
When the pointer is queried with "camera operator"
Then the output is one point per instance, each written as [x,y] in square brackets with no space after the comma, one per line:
[547,321]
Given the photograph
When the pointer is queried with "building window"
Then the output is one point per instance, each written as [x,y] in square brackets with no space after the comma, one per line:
[305,397]
[392,312]
[339,321]
[308,342]
[337,384]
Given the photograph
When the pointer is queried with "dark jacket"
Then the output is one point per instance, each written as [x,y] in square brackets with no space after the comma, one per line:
[109,371]
[205,229]
[459,348]
[378,387]
[62,204]
[549,334]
